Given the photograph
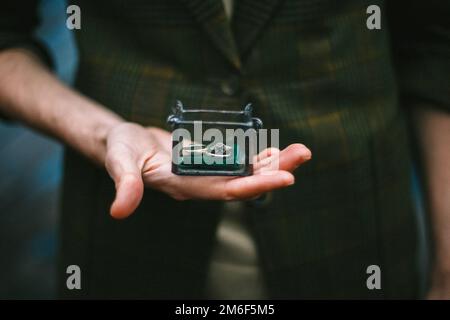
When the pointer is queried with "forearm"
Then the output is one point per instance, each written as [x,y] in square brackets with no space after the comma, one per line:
[30,93]
[433,131]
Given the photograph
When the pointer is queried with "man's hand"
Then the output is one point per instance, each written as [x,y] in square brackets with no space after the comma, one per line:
[133,155]
[138,157]
[433,133]
[440,286]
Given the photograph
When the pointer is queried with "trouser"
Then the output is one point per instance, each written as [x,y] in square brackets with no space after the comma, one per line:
[234,271]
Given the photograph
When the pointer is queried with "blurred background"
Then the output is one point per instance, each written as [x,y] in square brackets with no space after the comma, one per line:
[30,176]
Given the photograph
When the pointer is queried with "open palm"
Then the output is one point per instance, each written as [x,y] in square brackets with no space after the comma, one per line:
[138,156]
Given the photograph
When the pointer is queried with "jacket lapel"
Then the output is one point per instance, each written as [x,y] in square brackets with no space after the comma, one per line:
[211,15]
[250,18]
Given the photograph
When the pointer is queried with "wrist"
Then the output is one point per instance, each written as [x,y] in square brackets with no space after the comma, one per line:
[86,127]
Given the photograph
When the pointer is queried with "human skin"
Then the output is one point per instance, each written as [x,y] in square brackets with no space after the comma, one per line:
[433,132]
[134,156]
[137,157]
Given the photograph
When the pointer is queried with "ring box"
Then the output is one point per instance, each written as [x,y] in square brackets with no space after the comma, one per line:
[208,142]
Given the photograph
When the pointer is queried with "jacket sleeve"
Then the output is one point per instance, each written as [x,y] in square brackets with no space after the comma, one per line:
[18,20]
[420,35]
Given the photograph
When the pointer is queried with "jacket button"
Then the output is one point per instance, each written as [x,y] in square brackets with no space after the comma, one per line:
[230,87]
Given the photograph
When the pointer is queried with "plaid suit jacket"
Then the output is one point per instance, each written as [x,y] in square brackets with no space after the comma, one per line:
[312,69]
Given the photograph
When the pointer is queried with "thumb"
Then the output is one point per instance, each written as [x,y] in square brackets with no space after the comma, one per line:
[129,185]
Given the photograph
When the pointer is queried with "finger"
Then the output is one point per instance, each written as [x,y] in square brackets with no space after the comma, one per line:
[252,186]
[293,156]
[126,174]
[266,153]
[288,159]
[264,158]
[225,188]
